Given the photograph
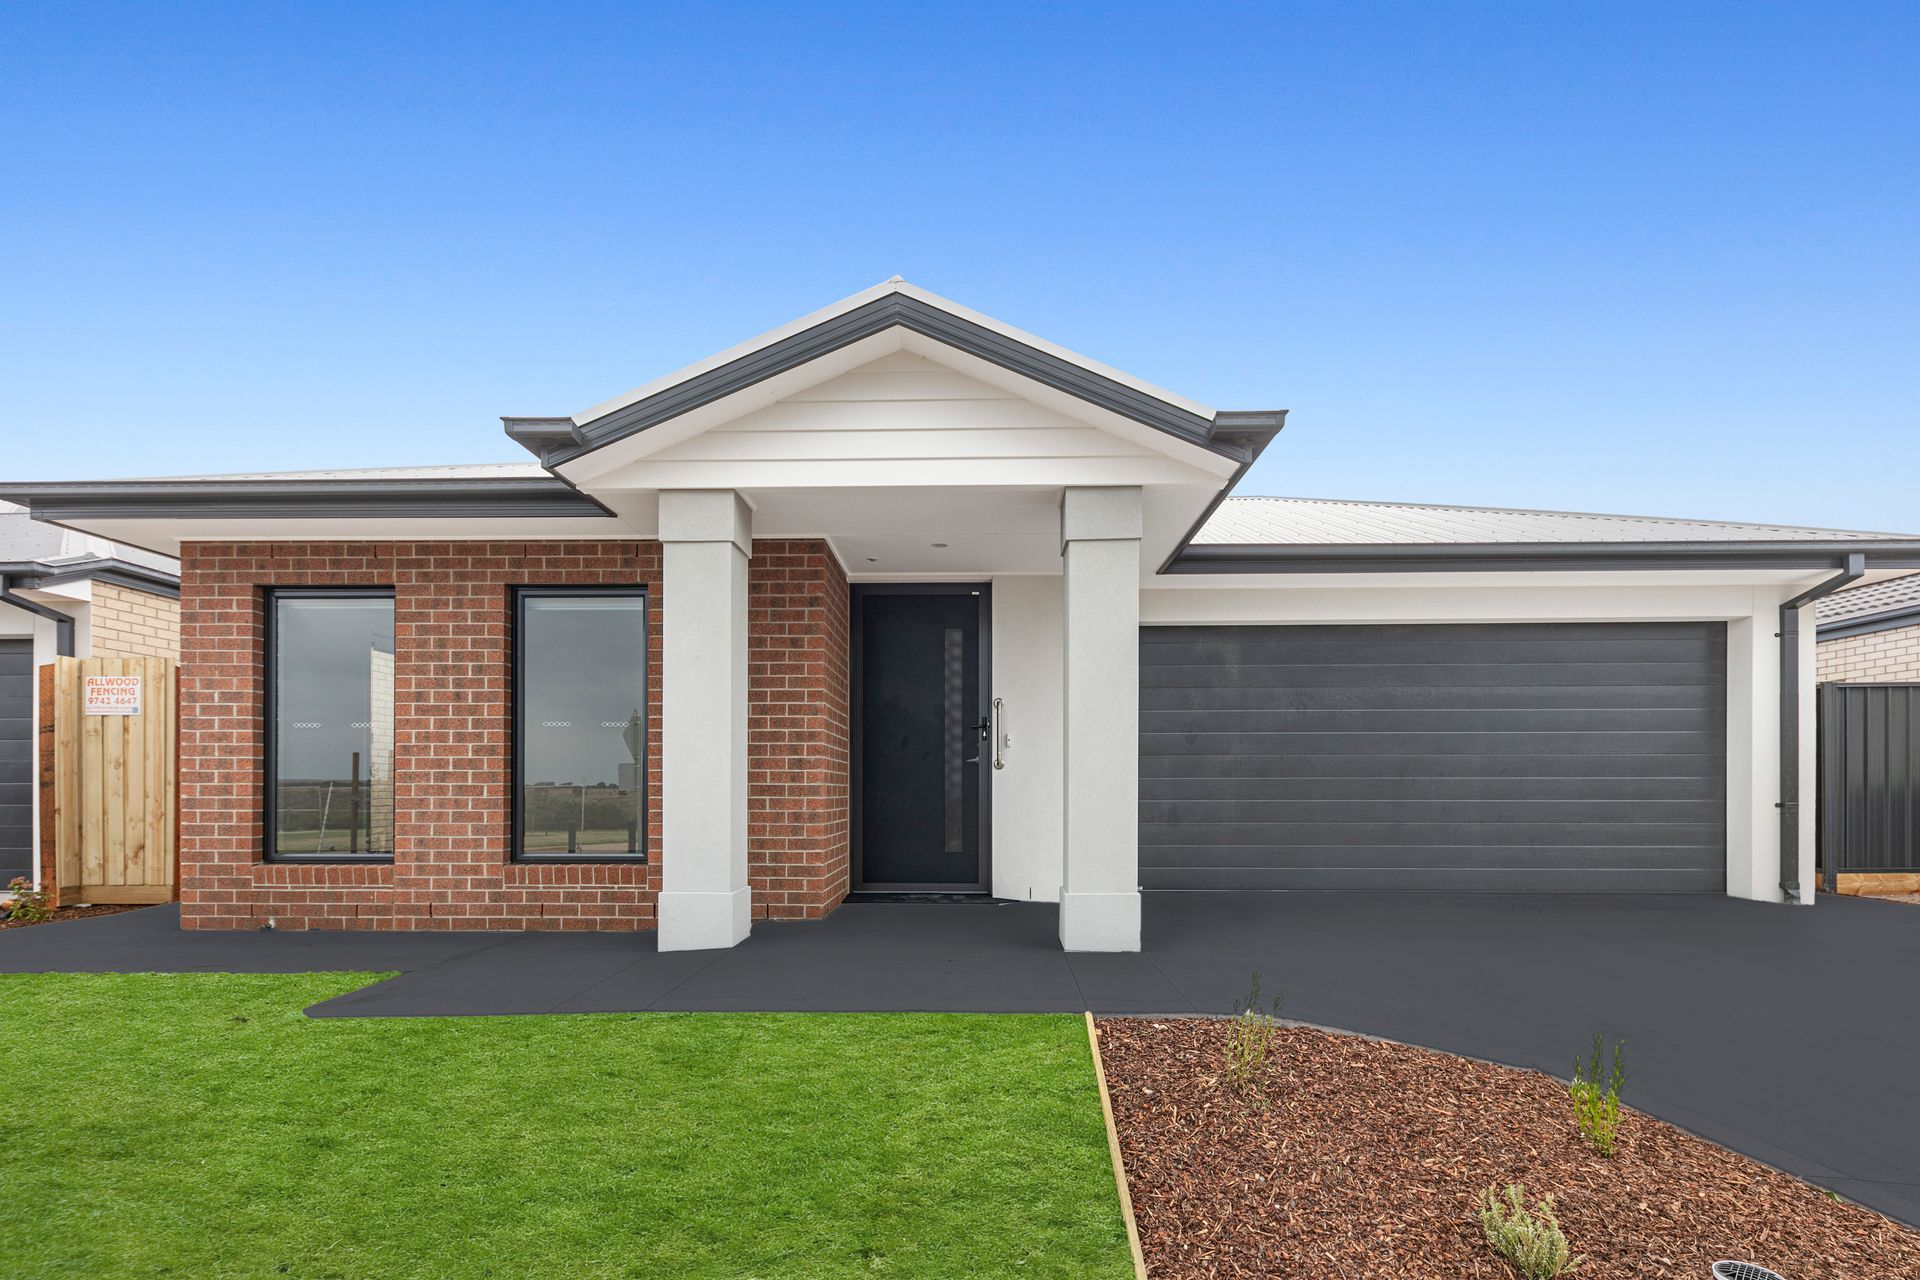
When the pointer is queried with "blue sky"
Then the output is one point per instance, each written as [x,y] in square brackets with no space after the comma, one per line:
[1632,257]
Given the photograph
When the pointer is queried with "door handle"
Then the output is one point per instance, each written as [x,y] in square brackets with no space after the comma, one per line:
[999,734]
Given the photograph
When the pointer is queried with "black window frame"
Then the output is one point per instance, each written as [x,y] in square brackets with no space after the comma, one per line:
[643,801]
[270,735]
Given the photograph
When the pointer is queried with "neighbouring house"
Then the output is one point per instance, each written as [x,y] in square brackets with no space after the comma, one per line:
[1871,633]
[1869,647]
[77,594]
[897,599]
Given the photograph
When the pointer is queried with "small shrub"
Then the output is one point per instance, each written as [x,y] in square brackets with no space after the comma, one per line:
[1531,1241]
[29,904]
[1596,1097]
[1250,1038]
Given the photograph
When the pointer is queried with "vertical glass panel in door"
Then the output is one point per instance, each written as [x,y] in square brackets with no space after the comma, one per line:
[583,725]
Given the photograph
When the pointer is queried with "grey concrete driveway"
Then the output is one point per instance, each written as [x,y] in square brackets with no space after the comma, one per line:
[1791,1035]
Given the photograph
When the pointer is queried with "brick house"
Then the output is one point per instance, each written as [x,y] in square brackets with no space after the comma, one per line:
[65,592]
[1871,633]
[897,600]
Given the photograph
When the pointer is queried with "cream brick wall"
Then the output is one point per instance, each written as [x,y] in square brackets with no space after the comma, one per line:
[129,624]
[1879,657]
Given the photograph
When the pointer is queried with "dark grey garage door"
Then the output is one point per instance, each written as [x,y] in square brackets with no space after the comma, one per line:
[1573,757]
[16,758]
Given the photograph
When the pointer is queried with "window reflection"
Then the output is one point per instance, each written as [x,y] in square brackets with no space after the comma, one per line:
[582,725]
[333,725]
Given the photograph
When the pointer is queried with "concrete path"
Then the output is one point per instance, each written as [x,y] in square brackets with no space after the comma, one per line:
[1790,1035]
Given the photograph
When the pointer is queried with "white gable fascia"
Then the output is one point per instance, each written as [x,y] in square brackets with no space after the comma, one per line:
[861,299]
[664,455]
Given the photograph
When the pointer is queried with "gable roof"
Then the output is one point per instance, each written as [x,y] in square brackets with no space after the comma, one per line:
[1238,435]
[1259,534]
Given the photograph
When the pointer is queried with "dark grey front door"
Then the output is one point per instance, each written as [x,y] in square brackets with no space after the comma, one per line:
[920,718]
[1574,757]
[16,759]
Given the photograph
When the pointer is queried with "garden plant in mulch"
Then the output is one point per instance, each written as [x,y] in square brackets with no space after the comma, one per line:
[1367,1158]
[24,905]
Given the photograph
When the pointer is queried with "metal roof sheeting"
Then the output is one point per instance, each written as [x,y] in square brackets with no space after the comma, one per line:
[1255,521]
[472,471]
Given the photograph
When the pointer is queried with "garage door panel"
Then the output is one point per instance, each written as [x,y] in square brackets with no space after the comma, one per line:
[1617,765]
[1428,811]
[1353,745]
[1421,675]
[1438,697]
[1706,720]
[1258,648]
[1530,757]
[1379,633]
[16,757]
[1241,858]
[1369,835]
[1204,790]
[1652,879]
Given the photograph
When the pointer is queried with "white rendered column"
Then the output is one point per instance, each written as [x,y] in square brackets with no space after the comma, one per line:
[1100,882]
[704,899]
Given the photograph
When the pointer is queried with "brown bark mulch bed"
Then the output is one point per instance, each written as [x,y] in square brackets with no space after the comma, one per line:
[71,913]
[1364,1158]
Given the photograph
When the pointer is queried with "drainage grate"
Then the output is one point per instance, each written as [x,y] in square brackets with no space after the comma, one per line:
[1743,1271]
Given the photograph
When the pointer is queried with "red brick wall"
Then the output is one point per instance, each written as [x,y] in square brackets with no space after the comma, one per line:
[797,823]
[452,623]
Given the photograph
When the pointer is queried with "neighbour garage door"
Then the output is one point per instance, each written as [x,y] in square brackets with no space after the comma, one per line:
[1571,757]
[16,759]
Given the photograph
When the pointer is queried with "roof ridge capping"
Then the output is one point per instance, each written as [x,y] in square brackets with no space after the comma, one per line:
[1238,435]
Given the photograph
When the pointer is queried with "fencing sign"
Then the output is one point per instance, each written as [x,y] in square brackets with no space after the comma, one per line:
[112,695]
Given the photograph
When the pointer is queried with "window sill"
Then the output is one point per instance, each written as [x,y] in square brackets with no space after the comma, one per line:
[578,859]
[327,859]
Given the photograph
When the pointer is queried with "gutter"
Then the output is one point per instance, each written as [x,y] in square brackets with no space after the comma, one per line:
[1250,432]
[1855,566]
[62,623]
[493,496]
[1471,557]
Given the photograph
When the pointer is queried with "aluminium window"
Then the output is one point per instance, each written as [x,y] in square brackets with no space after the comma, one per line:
[580,724]
[329,740]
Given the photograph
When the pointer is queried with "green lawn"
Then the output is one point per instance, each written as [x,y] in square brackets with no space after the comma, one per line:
[200,1126]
